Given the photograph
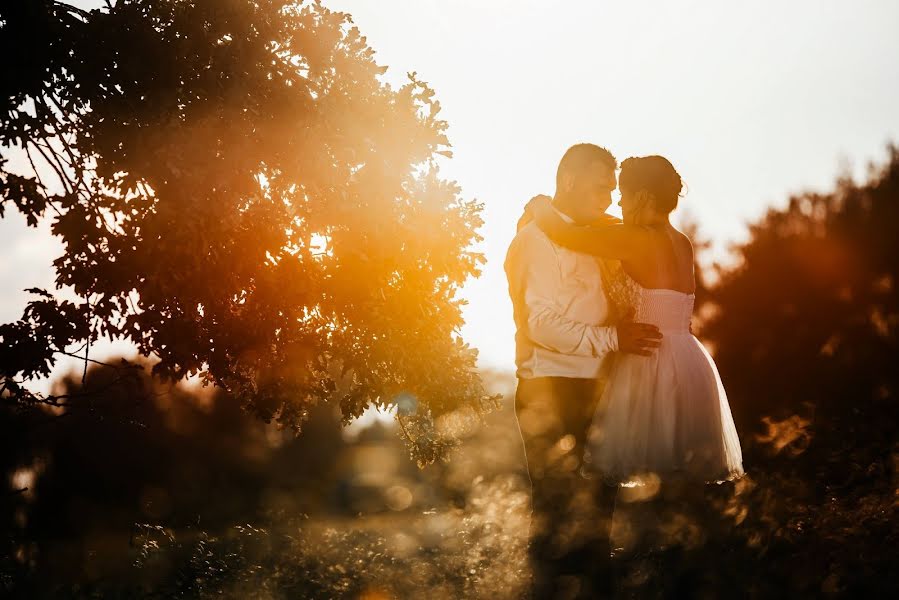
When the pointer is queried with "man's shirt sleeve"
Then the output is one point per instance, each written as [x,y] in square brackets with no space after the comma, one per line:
[532,269]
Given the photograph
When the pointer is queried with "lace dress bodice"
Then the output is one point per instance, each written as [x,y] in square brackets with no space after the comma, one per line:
[669,310]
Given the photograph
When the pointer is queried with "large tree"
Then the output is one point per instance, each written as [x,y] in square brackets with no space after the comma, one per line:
[807,323]
[243,196]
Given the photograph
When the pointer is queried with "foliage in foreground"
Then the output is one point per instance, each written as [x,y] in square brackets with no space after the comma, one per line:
[201,505]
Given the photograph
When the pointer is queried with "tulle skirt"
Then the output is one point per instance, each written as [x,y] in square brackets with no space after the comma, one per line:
[665,415]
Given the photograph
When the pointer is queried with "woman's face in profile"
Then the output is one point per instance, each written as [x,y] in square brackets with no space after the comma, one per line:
[627,206]
[633,204]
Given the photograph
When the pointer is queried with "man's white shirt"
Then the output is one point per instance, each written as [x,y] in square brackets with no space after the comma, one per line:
[559,308]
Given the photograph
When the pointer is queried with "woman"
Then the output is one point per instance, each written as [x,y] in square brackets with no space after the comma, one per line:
[665,414]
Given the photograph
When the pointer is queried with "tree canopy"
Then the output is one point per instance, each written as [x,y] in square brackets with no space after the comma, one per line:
[243,196]
[807,323]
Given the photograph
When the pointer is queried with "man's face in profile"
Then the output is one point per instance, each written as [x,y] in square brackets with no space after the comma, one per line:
[594,188]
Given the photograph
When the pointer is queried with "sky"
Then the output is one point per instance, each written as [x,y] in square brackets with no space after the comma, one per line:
[751,101]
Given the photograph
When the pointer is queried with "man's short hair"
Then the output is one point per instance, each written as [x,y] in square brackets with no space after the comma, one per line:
[580,157]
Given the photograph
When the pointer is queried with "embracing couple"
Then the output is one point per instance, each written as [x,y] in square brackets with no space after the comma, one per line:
[613,388]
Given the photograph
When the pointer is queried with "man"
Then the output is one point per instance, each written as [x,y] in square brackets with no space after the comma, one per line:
[561,316]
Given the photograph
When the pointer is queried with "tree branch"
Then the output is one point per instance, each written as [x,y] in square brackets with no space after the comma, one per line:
[73,10]
[64,181]
[96,362]
[87,348]
[40,180]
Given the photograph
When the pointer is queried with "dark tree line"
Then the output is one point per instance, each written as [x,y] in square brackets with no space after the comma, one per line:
[808,322]
[806,333]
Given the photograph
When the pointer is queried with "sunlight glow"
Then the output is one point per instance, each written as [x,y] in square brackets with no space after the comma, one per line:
[371,416]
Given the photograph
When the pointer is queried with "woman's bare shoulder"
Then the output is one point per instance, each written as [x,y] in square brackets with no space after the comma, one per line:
[682,239]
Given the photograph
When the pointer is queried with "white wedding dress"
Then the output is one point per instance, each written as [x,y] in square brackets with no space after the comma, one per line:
[665,414]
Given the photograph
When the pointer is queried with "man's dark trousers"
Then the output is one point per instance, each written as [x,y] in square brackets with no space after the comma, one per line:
[566,541]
